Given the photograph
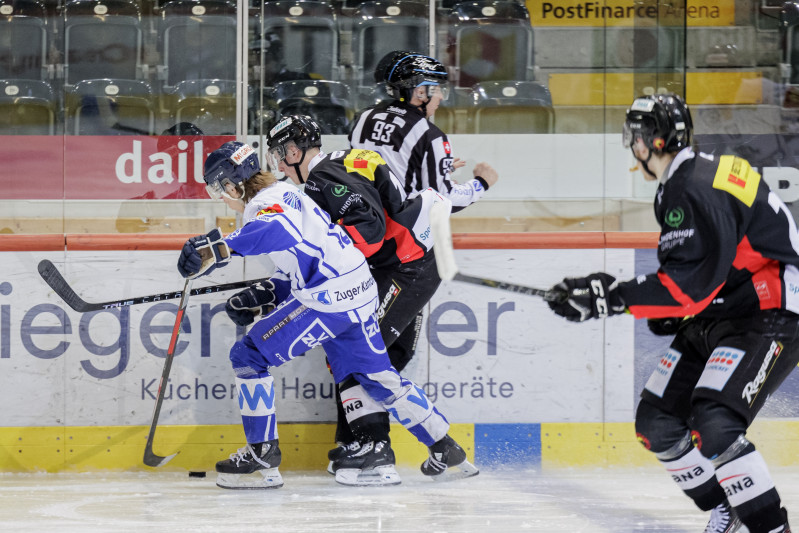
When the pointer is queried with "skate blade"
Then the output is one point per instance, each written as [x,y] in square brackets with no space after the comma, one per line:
[461,471]
[330,469]
[262,479]
[380,476]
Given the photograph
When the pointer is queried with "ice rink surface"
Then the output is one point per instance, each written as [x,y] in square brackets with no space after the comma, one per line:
[499,500]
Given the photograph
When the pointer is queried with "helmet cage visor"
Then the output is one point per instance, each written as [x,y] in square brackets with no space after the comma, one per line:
[224,187]
[276,154]
[434,88]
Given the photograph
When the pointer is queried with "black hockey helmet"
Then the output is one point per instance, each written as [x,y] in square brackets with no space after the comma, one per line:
[302,130]
[230,165]
[404,71]
[662,121]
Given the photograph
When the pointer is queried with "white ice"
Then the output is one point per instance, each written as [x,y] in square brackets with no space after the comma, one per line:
[501,500]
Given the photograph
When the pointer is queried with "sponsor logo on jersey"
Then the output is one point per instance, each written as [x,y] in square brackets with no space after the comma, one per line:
[339,190]
[353,199]
[292,200]
[675,217]
[270,210]
[719,367]
[396,110]
[752,388]
[662,374]
[675,238]
[352,292]
[283,321]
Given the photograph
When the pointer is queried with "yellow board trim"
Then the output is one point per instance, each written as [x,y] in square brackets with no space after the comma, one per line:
[736,177]
[304,446]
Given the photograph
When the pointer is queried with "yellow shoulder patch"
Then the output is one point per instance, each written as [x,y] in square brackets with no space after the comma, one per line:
[364,162]
[738,178]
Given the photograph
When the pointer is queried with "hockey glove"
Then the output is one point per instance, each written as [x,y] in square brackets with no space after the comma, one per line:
[244,306]
[665,326]
[202,254]
[593,296]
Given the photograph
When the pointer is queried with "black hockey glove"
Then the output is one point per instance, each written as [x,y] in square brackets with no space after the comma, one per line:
[664,326]
[244,306]
[593,296]
[202,254]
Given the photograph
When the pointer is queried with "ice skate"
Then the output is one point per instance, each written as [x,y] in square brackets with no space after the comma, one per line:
[340,449]
[447,461]
[724,520]
[369,464]
[251,467]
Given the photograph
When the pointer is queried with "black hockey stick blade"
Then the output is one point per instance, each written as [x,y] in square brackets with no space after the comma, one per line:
[56,281]
[150,457]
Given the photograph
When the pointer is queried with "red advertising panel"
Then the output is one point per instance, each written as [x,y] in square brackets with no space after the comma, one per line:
[104,167]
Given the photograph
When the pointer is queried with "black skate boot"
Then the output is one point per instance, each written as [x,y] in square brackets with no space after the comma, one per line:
[371,463]
[723,519]
[447,461]
[340,449]
[251,467]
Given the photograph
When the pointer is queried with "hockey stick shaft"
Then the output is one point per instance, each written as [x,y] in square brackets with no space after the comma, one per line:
[56,281]
[150,457]
[448,267]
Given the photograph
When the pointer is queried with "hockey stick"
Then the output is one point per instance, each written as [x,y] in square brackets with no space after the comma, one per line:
[448,267]
[150,458]
[56,281]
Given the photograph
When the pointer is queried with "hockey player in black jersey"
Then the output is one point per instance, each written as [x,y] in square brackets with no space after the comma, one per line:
[358,191]
[729,267]
[416,150]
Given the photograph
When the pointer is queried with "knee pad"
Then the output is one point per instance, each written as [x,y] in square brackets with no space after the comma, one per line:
[246,359]
[715,428]
[659,431]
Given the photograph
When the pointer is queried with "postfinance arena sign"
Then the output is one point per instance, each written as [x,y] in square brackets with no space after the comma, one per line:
[630,13]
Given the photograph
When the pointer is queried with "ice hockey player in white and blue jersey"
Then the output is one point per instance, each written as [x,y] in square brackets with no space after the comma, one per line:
[322,293]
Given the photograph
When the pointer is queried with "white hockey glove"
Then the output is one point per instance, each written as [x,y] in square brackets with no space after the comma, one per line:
[593,296]
[244,306]
[202,254]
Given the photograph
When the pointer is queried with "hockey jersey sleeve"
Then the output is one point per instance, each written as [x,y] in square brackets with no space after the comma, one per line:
[438,165]
[696,249]
[268,232]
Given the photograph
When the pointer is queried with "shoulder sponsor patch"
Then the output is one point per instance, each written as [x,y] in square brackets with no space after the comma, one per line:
[364,162]
[738,178]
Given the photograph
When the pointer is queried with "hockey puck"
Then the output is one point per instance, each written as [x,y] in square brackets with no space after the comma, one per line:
[196,474]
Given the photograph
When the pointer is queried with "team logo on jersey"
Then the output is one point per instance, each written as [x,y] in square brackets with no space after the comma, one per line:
[322,297]
[675,217]
[447,148]
[339,190]
[364,162]
[292,200]
[270,210]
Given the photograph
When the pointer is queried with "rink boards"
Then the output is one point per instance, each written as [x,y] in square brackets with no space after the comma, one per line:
[519,384]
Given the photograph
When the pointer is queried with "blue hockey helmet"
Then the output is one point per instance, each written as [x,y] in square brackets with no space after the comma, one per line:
[230,165]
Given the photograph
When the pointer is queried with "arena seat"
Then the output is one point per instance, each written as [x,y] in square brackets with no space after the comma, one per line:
[102,39]
[489,40]
[328,102]
[511,107]
[27,107]
[23,40]
[109,107]
[197,41]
